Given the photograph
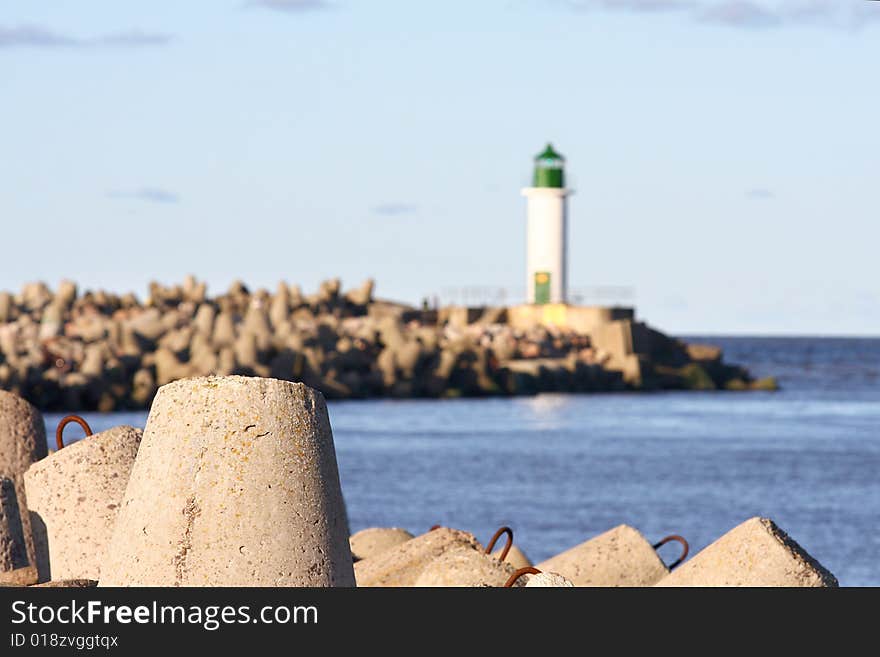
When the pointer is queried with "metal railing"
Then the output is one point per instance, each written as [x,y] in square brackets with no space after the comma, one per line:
[487,295]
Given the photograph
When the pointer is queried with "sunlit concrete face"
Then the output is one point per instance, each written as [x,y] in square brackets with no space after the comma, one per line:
[235,484]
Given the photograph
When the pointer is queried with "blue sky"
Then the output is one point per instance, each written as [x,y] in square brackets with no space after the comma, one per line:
[725,153]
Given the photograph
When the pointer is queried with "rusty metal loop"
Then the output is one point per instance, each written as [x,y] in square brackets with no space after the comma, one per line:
[59,432]
[684,544]
[496,536]
[528,570]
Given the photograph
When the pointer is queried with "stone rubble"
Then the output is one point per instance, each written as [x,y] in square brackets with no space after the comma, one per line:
[96,350]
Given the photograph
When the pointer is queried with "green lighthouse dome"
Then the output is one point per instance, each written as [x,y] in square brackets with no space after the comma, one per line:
[549,169]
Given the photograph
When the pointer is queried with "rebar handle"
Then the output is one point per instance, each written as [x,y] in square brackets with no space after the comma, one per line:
[684,552]
[59,432]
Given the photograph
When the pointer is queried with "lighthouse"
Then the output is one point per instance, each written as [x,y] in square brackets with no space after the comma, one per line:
[547,230]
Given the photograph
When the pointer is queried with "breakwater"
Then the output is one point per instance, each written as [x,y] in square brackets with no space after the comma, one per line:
[97,350]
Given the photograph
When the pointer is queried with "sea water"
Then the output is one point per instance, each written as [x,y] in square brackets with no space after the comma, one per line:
[561,468]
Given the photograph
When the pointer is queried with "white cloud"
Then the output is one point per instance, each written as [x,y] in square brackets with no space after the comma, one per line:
[149,194]
[38,36]
[838,14]
[395,209]
[291,6]
[760,194]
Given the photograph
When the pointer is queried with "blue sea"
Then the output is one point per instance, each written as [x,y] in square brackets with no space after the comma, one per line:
[560,468]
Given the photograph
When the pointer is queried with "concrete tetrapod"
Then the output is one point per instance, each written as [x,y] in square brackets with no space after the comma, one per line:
[13,550]
[235,484]
[74,494]
[465,566]
[69,584]
[547,580]
[755,553]
[26,576]
[373,541]
[619,557]
[515,557]
[22,442]
[402,565]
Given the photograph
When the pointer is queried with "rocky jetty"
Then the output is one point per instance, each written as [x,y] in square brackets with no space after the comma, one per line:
[65,350]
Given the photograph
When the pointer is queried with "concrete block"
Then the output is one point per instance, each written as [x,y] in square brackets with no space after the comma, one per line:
[26,576]
[22,442]
[68,584]
[235,484]
[615,339]
[704,353]
[515,557]
[13,549]
[551,580]
[460,316]
[402,565]
[619,557]
[75,494]
[755,553]
[581,319]
[465,566]
[374,541]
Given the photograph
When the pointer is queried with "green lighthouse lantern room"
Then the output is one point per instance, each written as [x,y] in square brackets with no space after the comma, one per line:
[549,169]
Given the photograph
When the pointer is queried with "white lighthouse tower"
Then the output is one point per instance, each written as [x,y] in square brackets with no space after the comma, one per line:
[547,230]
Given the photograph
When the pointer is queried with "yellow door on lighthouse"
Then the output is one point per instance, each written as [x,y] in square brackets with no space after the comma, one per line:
[542,287]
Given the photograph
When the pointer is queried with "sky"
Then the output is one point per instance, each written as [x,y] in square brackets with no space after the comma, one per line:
[725,154]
